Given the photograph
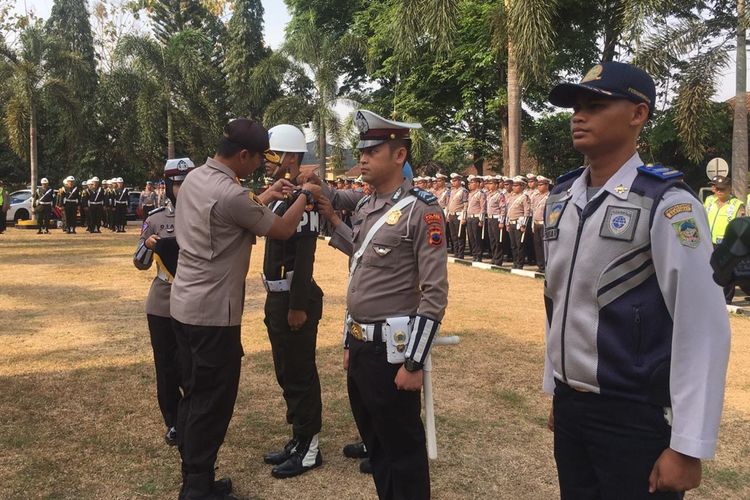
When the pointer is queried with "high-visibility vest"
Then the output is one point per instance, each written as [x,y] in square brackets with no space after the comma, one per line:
[719,217]
[711,199]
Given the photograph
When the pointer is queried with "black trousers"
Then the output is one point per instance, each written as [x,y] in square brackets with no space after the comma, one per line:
[459,242]
[43,216]
[69,212]
[3,224]
[516,246]
[507,250]
[539,245]
[528,244]
[210,363]
[605,447]
[95,217]
[294,361]
[166,362]
[496,248]
[475,237]
[729,289]
[389,422]
[120,216]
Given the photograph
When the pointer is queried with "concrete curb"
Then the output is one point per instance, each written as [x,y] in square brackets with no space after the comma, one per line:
[736,310]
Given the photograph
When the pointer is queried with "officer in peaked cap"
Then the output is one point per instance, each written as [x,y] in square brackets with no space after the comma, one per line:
[396,298]
[637,331]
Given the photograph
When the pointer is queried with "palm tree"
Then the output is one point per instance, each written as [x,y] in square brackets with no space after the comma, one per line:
[312,56]
[27,87]
[175,77]
[692,51]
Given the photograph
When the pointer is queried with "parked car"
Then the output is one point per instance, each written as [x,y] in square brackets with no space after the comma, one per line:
[20,206]
[134,211]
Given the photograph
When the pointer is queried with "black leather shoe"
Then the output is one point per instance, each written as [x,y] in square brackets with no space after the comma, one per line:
[203,487]
[306,456]
[365,467]
[171,437]
[355,450]
[279,457]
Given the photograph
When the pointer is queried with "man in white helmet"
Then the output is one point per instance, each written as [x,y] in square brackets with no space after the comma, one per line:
[293,308]
[95,207]
[121,196]
[44,198]
[68,197]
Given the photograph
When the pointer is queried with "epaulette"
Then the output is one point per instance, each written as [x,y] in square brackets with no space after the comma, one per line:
[361,202]
[660,171]
[156,210]
[424,196]
[573,174]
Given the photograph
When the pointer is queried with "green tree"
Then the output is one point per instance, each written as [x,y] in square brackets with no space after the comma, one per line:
[175,88]
[550,143]
[29,87]
[245,50]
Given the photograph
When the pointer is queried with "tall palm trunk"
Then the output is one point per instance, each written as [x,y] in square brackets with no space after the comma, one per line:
[32,146]
[739,130]
[514,113]
[170,134]
[322,149]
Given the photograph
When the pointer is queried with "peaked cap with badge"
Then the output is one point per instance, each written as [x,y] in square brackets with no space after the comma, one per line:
[375,130]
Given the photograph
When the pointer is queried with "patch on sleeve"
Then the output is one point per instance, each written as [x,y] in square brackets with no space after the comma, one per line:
[687,232]
[433,219]
[144,226]
[435,235]
[678,209]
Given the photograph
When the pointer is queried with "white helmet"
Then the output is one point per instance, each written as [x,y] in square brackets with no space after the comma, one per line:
[287,139]
[119,179]
[70,178]
[44,180]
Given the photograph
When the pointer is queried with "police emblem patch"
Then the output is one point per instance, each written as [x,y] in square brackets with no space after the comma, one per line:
[619,223]
[553,215]
[361,123]
[687,232]
[182,166]
[435,235]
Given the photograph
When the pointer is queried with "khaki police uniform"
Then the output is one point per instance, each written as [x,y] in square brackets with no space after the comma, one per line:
[475,212]
[216,226]
[538,203]
[496,207]
[163,341]
[457,205]
[519,210]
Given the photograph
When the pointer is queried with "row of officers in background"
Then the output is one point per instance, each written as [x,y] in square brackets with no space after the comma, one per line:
[99,204]
[500,216]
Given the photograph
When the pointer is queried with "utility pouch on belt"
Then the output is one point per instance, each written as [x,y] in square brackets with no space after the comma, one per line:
[397,338]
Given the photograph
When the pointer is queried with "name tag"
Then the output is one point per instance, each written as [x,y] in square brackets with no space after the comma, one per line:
[619,223]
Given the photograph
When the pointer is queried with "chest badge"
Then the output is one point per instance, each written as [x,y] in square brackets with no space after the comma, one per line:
[393,217]
[619,223]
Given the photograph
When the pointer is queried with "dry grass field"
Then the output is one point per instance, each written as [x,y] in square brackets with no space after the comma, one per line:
[79,420]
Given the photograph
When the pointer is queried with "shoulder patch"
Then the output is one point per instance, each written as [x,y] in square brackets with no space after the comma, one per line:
[424,196]
[157,210]
[573,174]
[687,232]
[678,209]
[361,202]
[660,171]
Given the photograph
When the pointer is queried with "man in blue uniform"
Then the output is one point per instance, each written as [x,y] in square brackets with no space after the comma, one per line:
[637,332]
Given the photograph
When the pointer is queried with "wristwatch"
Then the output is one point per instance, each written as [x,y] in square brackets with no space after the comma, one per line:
[308,195]
[412,366]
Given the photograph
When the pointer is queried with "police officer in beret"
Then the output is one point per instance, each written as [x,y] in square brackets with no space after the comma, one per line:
[216,226]
[396,298]
[293,308]
[637,331]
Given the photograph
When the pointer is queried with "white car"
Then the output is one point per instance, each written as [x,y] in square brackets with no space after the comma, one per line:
[20,206]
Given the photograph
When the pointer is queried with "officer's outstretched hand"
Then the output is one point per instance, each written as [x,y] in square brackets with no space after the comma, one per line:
[408,381]
[150,242]
[296,318]
[674,471]
[316,190]
[277,191]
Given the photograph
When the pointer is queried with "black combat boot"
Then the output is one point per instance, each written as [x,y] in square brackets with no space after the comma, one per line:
[365,467]
[306,456]
[355,450]
[40,231]
[281,456]
[203,487]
